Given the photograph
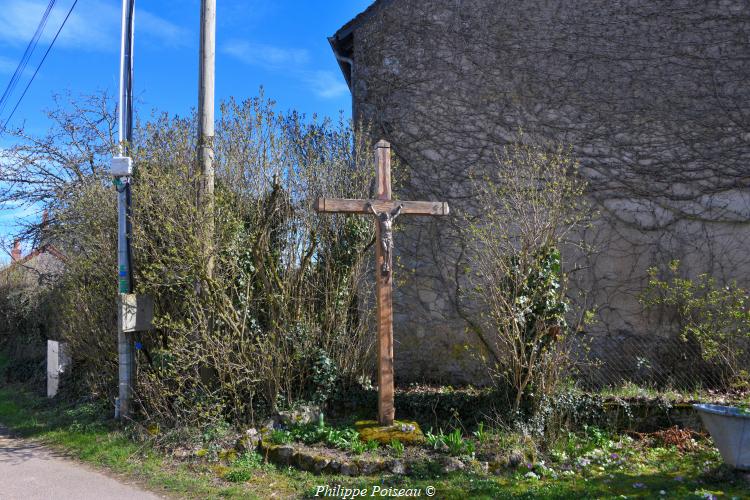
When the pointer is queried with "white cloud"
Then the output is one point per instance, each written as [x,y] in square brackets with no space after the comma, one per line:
[267,56]
[292,61]
[327,85]
[160,29]
[93,25]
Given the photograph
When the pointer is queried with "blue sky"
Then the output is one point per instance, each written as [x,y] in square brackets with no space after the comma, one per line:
[279,44]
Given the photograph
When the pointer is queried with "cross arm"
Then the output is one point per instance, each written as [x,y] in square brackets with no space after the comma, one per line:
[338,205]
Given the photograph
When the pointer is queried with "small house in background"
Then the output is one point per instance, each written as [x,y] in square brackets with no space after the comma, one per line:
[26,312]
[39,267]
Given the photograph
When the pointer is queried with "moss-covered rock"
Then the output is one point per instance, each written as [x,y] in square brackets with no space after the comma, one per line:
[333,467]
[403,431]
[220,470]
[396,467]
[280,454]
[349,469]
[319,464]
[369,467]
[304,461]
[248,441]
[228,455]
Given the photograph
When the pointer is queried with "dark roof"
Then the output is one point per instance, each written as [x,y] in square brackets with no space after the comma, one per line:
[342,41]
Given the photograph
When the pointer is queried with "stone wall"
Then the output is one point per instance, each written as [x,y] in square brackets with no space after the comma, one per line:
[654,99]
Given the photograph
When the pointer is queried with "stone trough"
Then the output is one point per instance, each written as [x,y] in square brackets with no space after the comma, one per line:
[321,462]
[730,429]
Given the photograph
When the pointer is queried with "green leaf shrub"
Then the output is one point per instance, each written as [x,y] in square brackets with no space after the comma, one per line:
[716,316]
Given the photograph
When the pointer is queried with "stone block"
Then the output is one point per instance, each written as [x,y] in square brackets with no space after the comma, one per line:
[403,431]
[58,362]
[281,454]
[136,313]
[300,416]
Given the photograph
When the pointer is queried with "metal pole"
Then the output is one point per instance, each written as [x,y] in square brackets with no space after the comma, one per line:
[206,127]
[121,169]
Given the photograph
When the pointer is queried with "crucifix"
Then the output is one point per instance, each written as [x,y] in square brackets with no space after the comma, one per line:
[385,211]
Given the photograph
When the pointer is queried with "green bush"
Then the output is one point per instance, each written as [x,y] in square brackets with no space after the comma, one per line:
[715,316]
[453,442]
[27,320]
[280,320]
[397,448]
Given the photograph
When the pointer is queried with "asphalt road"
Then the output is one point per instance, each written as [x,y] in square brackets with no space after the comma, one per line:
[29,471]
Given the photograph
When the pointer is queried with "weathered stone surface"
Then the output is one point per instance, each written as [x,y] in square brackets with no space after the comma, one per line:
[451,464]
[403,431]
[319,464]
[396,467]
[280,454]
[303,461]
[182,453]
[333,467]
[368,467]
[477,73]
[248,441]
[481,466]
[349,469]
[300,416]
[515,459]
[227,455]
[270,424]
[496,468]
[312,462]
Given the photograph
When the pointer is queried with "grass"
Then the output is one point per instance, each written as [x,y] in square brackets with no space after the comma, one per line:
[582,465]
[630,390]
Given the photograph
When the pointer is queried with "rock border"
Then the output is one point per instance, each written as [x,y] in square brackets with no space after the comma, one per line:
[318,463]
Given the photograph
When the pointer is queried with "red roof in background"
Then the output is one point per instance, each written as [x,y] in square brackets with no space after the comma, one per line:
[46,248]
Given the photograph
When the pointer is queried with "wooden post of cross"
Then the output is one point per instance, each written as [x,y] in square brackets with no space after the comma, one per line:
[386,210]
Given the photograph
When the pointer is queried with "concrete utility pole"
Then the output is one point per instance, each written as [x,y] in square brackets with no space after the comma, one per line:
[122,170]
[206,128]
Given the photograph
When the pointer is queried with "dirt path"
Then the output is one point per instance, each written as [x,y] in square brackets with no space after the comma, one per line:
[28,471]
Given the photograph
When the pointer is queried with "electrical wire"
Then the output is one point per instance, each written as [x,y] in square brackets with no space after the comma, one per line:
[52,43]
[25,58]
[128,108]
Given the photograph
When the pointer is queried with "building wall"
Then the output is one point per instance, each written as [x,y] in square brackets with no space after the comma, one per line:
[654,99]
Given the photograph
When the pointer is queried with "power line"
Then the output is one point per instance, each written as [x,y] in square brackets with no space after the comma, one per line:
[52,43]
[25,57]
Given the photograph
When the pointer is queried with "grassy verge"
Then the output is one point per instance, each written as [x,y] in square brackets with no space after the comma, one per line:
[638,471]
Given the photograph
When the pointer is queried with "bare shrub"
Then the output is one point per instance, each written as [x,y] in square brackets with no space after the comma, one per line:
[529,204]
[287,282]
[280,320]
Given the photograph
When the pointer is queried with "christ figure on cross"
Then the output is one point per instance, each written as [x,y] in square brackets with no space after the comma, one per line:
[386,219]
[386,211]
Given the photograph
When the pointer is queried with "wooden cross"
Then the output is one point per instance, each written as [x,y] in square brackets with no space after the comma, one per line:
[386,210]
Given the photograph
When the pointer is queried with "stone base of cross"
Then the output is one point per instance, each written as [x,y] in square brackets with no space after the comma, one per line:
[385,211]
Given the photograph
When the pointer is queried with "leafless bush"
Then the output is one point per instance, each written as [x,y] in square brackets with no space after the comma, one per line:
[529,204]
[287,289]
